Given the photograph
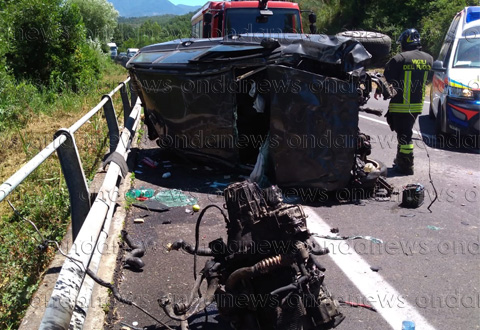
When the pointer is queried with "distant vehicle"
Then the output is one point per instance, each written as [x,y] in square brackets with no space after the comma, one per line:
[232,18]
[113,49]
[455,92]
[131,52]
[221,18]
[121,57]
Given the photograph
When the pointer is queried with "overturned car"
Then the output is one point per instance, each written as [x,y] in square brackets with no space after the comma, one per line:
[287,104]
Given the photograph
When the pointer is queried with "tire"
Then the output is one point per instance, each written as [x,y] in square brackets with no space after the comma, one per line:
[431,115]
[369,181]
[377,44]
[438,122]
[381,167]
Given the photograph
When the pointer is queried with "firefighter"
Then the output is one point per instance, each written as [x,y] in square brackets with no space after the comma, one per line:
[407,72]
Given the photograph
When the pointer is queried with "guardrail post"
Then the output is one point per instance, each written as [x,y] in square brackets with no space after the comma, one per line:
[126,104]
[112,123]
[75,178]
[133,92]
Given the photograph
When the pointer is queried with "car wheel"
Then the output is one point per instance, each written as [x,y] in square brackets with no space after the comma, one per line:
[377,44]
[381,167]
[438,122]
[431,115]
[369,181]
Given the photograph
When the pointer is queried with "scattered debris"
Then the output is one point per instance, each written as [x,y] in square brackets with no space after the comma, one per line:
[383,188]
[413,195]
[166,222]
[434,228]
[138,220]
[375,269]
[166,175]
[216,184]
[140,193]
[126,326]
[174,198]
[132,260]
[465,223]
[149,162]
[151,205]
[334,230]
[370,238]
[409,215]
[352,304]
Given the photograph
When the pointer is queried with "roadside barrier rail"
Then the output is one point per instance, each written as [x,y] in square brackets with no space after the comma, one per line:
[70,298]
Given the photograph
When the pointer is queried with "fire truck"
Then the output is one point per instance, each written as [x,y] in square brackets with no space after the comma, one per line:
[224,18]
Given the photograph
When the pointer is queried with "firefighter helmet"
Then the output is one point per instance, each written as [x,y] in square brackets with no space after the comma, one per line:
[409,39]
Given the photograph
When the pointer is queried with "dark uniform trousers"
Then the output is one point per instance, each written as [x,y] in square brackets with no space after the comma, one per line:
[407,72]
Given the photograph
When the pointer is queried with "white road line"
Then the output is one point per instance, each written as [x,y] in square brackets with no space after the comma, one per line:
[425,135]
[374,120]
[370,284]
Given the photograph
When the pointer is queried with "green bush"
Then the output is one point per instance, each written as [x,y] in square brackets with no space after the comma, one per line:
[46,44]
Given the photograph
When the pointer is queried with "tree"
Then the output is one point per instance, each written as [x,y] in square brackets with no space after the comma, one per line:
[46,44]
[99,17]
[430,17]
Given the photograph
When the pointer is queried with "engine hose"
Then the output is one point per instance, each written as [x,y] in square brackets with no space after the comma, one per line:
[181,244]
[316,249]
[261,267]
[317,263]
[291,286]
[133,258]
[193,306]
[197,234]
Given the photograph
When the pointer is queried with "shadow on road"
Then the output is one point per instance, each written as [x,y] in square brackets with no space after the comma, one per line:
[454,142]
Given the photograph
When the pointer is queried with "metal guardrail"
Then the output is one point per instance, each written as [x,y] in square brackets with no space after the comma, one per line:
[89,220]
[64,144]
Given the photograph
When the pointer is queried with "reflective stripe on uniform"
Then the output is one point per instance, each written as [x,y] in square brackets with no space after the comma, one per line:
[425,76]
[405,108]
[406,148]
[407,85]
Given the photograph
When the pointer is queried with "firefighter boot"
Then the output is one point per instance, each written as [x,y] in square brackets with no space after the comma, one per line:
[404,160]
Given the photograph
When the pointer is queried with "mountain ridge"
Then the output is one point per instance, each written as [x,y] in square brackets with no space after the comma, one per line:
[139,8]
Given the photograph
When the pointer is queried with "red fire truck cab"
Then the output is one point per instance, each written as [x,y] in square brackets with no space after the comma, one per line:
[223,18]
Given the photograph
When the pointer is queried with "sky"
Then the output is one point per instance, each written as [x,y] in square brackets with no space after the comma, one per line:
[189,2]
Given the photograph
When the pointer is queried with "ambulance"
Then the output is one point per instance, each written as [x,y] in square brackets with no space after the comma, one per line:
[455,92]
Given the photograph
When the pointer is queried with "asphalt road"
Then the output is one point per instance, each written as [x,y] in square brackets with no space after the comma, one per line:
[429,261]
[428,264]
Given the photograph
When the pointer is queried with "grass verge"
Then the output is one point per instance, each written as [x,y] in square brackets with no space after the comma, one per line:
[43,196]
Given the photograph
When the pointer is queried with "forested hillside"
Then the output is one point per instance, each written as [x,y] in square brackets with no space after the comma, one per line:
[142,31]
[430,17]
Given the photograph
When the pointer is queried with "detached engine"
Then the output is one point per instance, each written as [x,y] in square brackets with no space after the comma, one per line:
[267,275]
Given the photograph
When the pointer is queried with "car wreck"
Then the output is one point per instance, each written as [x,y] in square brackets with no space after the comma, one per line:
[286,103]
